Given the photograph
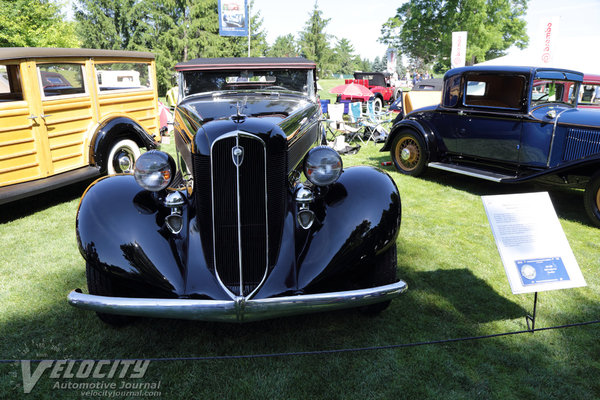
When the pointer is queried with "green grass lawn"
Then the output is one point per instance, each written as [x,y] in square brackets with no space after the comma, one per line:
[457,288]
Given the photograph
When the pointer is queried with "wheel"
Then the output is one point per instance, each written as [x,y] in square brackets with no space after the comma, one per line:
[377,105]
[122,156]
[591,199]
[382,273]
[408,153]
[102,285]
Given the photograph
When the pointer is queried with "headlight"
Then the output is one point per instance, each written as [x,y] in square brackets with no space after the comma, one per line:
[322,166]
[154,170]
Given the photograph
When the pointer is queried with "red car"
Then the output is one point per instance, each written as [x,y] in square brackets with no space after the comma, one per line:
[378,83]
[589,93]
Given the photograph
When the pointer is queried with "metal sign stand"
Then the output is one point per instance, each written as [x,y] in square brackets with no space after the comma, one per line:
[532,317]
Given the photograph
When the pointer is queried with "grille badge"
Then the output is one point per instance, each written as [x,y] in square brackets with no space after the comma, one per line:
[237,154]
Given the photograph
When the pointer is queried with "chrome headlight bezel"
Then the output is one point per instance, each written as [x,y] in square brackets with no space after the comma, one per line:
[323,166]
[154,170]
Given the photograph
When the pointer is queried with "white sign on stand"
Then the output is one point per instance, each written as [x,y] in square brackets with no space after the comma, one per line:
[532,245]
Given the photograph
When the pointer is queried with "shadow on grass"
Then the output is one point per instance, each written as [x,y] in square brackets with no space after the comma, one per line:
[567,202]
[31,205]
[469,295]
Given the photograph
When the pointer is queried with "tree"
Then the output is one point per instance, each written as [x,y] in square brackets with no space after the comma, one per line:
[364,65]
[284,46]
[345,60]
[175,30]
[314,42]
[422,29]
[34,23]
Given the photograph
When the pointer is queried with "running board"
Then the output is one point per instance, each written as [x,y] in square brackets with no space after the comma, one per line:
[474,172]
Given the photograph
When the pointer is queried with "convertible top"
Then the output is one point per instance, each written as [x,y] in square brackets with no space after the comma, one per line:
[227,63]
[13,53]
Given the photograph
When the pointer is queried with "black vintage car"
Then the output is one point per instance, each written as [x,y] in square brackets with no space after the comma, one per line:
[509,125]
[256,222]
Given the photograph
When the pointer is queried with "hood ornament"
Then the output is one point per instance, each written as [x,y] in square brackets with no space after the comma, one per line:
[237,154]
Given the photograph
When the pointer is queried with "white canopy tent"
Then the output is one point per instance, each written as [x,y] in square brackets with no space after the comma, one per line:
[582,56]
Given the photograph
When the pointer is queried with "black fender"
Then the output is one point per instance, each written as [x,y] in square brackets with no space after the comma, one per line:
[419,127]
[358,219]
[121,232]
[116,129]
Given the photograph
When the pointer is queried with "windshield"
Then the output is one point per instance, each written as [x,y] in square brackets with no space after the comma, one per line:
[554,91]
[297,80]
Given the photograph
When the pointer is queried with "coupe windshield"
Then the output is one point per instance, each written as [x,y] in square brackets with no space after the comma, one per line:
[297,80]
[554,91]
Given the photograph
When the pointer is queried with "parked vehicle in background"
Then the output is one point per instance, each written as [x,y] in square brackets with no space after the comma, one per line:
[427,92]
[589,95]
[60,125]
[378,83]
[509,125]
[265,223]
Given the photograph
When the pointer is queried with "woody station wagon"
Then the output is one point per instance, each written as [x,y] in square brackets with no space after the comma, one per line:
[62,120]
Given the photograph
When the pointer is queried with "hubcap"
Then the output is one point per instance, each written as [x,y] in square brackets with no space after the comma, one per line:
[598,199]
[123,161]
[408,153]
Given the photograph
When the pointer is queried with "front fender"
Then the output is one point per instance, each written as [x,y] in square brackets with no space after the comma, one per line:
[420,127]
[120,231]
[358,219]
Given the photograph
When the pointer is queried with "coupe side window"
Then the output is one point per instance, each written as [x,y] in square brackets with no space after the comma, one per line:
[61,79]
[496,91]
[10,83]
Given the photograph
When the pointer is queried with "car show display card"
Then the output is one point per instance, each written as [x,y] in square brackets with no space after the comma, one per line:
[532,245]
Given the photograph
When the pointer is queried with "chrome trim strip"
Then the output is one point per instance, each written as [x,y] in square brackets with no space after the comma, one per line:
[238,309]
[239,217]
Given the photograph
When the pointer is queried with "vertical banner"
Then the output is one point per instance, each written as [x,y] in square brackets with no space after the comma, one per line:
[391,60]
[233,18]
[546,42]
[459,49]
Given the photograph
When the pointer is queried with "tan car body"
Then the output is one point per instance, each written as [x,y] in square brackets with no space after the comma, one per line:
[59,125]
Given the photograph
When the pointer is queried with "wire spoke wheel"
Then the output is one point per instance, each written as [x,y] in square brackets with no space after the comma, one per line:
[407,152]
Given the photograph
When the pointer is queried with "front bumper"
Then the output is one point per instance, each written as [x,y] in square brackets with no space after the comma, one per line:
[238,310]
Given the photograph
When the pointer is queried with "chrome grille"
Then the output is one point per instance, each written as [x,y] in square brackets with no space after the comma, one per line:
[581,143]
[239,213]
[261,208]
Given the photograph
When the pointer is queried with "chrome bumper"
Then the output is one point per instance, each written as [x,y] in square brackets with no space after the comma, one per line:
[238,310]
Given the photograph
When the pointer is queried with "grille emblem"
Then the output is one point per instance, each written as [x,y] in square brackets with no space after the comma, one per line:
[237,153]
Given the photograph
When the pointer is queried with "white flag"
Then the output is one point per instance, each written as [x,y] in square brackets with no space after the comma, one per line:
[459,49]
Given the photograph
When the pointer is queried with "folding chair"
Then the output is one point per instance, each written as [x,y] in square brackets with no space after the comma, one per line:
[355,113]
[336,118]
[374,124]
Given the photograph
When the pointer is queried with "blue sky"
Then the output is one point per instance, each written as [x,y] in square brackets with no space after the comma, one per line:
[360,20]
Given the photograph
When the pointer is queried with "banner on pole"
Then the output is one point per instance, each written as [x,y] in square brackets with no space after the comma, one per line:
[391,60]
[459,49]
[233,18]
[546,44]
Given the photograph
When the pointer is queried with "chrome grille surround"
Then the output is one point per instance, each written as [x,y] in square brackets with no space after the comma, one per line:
[239,232]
